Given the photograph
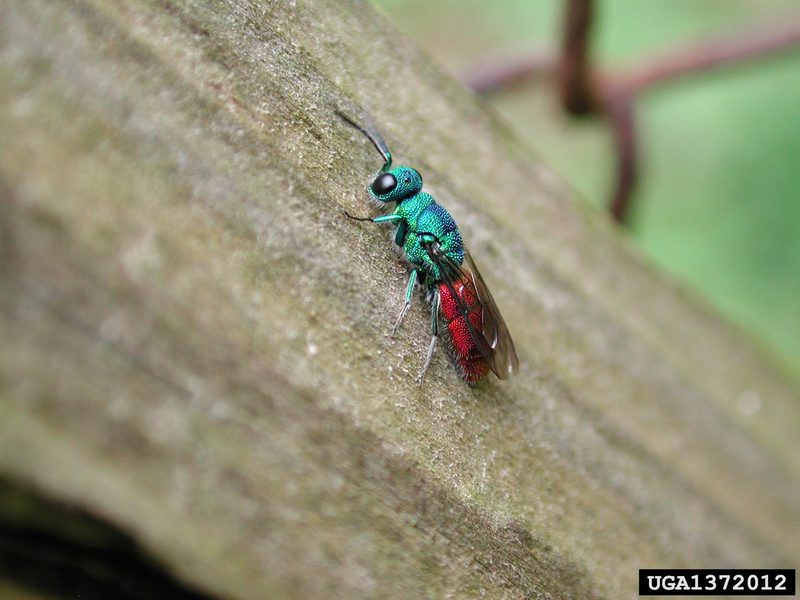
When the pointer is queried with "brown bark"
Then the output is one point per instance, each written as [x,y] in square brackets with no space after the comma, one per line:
[194,366]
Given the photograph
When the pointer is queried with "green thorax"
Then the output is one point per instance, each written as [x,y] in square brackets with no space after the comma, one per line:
[422,215]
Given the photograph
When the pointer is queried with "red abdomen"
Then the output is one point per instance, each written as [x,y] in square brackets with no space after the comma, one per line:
[468,358]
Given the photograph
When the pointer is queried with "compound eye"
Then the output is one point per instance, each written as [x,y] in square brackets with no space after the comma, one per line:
[384,184]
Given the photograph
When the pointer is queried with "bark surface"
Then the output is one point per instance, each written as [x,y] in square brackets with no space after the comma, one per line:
[197,388]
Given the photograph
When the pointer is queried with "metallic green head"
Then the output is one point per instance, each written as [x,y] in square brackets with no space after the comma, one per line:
[395,185]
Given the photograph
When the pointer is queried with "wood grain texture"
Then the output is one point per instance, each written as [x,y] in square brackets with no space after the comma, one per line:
[194,348]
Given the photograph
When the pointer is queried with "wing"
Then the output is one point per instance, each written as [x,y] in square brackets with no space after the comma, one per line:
[493,341]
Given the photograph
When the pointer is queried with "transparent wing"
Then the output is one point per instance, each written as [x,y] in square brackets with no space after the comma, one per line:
[493,340]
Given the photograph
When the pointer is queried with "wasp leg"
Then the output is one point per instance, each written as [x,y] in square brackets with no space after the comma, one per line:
[434,337]
[412,281]
[391,218]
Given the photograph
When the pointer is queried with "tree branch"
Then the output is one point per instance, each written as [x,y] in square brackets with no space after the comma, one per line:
[578,94]
[707,55]
[194,348]
[612,95]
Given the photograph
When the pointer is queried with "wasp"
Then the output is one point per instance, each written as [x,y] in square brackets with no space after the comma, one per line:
[431,243]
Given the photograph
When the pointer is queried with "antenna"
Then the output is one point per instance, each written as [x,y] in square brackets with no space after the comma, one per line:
[372,134]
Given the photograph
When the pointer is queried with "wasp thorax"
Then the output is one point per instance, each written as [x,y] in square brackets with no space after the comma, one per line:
[384,184]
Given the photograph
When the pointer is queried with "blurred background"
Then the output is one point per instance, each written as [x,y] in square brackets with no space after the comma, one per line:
[718,196]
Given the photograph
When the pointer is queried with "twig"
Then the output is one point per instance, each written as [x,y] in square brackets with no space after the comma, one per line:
[611,95]
[714,54]
[504,73]
[619,110]
[575,77]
